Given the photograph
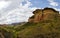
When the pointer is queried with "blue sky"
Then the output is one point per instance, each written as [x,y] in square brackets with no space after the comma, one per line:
[12,11]
[39,3]
[45,3]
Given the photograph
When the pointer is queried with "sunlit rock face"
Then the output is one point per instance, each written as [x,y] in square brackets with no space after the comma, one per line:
[43,14]
[36,17]
[49,13]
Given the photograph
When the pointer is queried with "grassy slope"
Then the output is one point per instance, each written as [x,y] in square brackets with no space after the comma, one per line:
[43,29]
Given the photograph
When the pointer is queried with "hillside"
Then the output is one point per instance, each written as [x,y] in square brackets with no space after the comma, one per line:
[45,23]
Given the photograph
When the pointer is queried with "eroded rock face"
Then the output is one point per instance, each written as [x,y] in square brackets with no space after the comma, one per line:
[36,17]
[43,14]
[31,19]
[1,35]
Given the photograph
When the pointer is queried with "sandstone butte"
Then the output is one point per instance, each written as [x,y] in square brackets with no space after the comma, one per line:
[43,14]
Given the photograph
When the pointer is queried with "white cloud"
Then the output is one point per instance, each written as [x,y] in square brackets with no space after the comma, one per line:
[16,12]
[53,3]
[4,4]
[57,9]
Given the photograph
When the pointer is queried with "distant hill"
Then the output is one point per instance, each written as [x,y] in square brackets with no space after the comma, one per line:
[45,23]
[19,23]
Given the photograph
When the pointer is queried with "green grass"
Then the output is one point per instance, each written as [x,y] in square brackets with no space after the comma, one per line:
[43,29]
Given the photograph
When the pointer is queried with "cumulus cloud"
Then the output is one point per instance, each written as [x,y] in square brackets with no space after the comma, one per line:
[4,4]
[53,3]
[16,12]
[57,9]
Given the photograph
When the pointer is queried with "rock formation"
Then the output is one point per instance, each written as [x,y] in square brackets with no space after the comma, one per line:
[43,14]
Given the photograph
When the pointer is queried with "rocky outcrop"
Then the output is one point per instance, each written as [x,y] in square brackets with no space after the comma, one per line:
[43,14]
[1,35]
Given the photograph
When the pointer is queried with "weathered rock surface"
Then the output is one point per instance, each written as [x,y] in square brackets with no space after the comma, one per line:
[43,14]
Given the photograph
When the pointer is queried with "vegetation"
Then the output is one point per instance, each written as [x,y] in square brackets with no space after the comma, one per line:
[43,29]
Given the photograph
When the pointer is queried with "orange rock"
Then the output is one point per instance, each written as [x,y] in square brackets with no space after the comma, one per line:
[43,14]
